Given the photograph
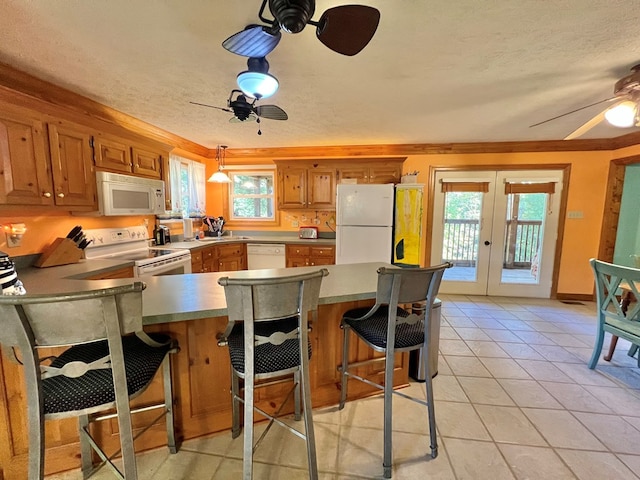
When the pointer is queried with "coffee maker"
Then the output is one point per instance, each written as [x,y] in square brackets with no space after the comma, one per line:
[162,234]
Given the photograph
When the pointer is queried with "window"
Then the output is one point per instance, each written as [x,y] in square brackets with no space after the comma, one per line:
[187,187]
[252,195]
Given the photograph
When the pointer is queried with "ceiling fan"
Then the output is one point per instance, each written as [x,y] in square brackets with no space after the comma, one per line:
[623,113]
[345,29]
[245,111]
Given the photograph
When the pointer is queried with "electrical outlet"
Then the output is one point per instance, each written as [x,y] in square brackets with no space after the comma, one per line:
[295,224]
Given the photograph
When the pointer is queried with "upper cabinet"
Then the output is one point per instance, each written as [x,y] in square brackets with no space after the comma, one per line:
[123,156]
[312,185]
[44,164]
[381,172]
[74,179]
[308,186]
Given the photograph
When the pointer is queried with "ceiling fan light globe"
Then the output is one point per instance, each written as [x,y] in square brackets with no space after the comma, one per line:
[257,84]
[622,115]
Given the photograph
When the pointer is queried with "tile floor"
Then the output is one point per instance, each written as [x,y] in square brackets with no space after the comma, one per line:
[514,400]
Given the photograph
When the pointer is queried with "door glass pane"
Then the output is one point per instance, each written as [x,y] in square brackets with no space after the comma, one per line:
[461,235]
[523,237]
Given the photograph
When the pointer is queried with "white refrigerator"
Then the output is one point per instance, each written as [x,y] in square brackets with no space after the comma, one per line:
[364,224]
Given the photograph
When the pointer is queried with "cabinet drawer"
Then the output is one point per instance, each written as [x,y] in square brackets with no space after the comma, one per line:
[230,250]
[322,251]
[298,250]
[196,257]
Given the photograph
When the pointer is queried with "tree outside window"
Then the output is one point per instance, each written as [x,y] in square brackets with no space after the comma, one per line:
[252,195]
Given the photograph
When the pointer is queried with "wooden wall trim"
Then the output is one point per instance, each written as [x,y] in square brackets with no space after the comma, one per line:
[27,91]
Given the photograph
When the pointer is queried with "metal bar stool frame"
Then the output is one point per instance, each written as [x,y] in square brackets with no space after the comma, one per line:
[85,321]
[252,302]
[387,324]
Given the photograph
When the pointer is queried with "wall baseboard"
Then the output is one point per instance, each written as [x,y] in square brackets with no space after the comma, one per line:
[580,297]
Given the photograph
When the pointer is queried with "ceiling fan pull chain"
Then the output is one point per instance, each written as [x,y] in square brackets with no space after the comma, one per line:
[258,121]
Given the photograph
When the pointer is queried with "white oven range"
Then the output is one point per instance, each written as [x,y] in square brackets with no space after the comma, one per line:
[132,243]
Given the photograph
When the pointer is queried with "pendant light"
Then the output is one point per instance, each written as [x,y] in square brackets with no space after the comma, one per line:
[256,82]
[220,176]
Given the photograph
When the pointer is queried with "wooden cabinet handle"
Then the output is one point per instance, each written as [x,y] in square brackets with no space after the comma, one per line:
[47,194]
[61,195]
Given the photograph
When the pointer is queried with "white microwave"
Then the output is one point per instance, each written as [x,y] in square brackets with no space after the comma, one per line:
[128,195]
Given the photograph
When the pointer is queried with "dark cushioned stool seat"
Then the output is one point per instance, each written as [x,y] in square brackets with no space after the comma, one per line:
[268,357]
[374,329]
[95,387]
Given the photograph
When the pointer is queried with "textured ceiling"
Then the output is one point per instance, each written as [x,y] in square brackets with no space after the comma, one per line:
[436,71]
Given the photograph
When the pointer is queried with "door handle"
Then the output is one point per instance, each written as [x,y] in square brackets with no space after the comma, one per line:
[487,242]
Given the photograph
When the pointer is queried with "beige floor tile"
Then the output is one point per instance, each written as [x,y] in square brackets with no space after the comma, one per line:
[448,333]
[544,371]
[504,335]
[443,366]
[467,366]
[363,413]
[412,459]
[616,433]
[631,461]
[454,347]
[592,465]
[473,460]
[520,351]
[575,397]
[360,452]
[516,324]
[461,321]
[567,340]
[561,429]
[585,376]
[489,323]
[485,391]
[486,349]
[505,368]
[535,463]
[459,420]
[446,387]
[544,326]
[555,353]
[534,338]
[509,425]
[188,465]
[528,393]
[619,400]
[471,333]
[231,469]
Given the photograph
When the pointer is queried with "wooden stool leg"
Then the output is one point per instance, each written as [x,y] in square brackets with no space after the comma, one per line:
[612,348]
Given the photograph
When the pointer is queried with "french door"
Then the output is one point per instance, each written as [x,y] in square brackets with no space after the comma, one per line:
[499,230]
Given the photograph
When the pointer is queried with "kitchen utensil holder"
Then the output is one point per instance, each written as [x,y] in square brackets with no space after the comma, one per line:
[61,252]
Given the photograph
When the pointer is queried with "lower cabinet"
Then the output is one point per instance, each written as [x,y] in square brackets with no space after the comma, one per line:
[229,257]
[126,272]
[299,255]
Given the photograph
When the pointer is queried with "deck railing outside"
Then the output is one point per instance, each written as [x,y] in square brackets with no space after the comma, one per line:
[461,239]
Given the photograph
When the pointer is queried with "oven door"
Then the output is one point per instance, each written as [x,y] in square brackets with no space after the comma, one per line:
[171,266]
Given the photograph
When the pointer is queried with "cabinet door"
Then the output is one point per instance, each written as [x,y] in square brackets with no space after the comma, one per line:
[147,162]
[25,177]
[196,261]
[385,174]
[321,190]
[112,154]
[292,188]
[71,164]
[209,260]
[358,173]
[232,257]
[322,256]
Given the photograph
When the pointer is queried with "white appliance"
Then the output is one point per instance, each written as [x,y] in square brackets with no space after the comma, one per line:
[128,195]
[265,255]
[132,243]
[364,224]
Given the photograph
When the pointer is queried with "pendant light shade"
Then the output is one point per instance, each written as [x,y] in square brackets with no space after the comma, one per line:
[256,82]
[220,176]
[622,115]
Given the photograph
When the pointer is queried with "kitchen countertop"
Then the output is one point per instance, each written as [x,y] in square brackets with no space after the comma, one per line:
[175,298]
[261,239]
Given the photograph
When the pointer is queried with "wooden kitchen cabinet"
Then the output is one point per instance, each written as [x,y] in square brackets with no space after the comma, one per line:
[311,187]
[228,257]
[375,172]
[25,173]
[74,182]
[299,255]
[121,156]
[126,272]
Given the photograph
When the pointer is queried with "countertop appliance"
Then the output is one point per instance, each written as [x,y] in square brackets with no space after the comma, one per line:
[308,232]
[132,243]
[364,224]
[128,195]
[265,256]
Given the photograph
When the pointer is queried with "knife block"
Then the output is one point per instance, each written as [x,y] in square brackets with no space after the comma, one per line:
[61,252]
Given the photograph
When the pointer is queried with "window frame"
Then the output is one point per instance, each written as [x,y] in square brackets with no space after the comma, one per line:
[229,197]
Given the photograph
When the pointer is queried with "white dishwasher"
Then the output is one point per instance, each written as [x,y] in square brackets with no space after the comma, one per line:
[265,255]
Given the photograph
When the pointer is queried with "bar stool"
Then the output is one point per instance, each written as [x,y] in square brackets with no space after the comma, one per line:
[267,336]
[103,367]
[388,328]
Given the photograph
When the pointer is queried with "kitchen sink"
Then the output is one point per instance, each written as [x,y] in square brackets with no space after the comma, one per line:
[223,238]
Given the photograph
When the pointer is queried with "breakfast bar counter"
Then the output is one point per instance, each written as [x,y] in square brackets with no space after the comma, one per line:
[191,308]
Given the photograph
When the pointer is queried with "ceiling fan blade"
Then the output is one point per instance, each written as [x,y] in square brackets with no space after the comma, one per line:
[347,29]
[251,118]
[212,106]
[584,128]
[272,112]
[573,111]
[253,41]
